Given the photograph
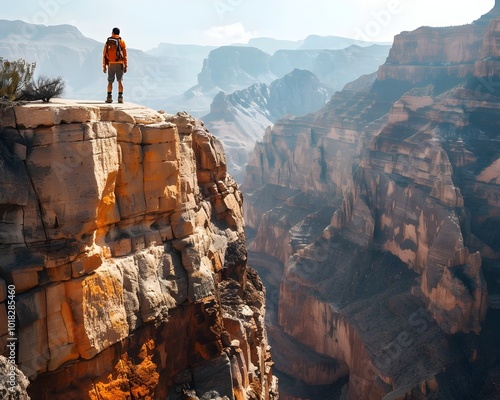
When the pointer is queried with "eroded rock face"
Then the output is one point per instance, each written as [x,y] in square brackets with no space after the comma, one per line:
[381,212]
[451,53]
[122,232]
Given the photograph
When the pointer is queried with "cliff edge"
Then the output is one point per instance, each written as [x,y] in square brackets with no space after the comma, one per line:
[122,234]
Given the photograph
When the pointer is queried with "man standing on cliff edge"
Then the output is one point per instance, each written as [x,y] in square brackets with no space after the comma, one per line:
[114,62]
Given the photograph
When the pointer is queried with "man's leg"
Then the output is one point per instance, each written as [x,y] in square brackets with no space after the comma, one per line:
[109,97]
[111,79]
[120,91]
[119,78]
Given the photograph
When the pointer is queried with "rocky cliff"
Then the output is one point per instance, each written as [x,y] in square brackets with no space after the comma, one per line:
[123,236]
[376,227]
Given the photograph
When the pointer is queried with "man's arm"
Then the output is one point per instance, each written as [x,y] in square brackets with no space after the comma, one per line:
[105,60]
[125,57]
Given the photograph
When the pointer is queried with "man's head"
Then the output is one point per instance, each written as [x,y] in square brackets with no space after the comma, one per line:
[116,31]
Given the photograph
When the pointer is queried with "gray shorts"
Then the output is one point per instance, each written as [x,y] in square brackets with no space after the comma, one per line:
[115,69]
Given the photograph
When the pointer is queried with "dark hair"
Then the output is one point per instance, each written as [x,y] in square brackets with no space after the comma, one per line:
[116,31]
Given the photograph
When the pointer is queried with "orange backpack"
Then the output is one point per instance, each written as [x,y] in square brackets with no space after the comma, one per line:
[114,50]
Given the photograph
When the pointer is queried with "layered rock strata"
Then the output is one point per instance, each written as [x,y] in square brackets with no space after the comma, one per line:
[428,53]
[382,212]
[123,236]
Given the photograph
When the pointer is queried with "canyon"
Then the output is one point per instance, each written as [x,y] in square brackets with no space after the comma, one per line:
[122,235]
[359,259]
[308,78]
[375,226]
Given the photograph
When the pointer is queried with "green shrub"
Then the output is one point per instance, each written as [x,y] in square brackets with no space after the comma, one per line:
[14,77]
[17,84]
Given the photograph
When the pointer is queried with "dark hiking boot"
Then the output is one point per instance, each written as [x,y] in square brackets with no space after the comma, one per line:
[120,99]
[109,99]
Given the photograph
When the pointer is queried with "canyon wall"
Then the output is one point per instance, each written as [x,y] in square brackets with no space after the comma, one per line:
[123,235]
[375,224]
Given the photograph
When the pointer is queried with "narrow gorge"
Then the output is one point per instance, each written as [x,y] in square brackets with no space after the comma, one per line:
[375,226]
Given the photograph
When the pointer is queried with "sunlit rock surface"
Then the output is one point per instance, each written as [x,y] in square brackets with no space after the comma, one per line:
[124,238]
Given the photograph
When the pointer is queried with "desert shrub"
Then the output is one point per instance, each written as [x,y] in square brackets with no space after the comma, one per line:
[14,77]
[43,89]
[17,83]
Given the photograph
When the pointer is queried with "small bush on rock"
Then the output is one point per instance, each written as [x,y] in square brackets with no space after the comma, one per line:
[17,84]
[43,89]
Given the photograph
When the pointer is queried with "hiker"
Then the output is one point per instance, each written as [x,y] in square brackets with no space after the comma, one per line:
[114,62]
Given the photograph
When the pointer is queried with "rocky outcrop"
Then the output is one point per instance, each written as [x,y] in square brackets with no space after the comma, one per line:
[123,236]
[381,212]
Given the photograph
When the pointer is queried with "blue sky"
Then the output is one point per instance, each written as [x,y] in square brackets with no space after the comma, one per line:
[146,23]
